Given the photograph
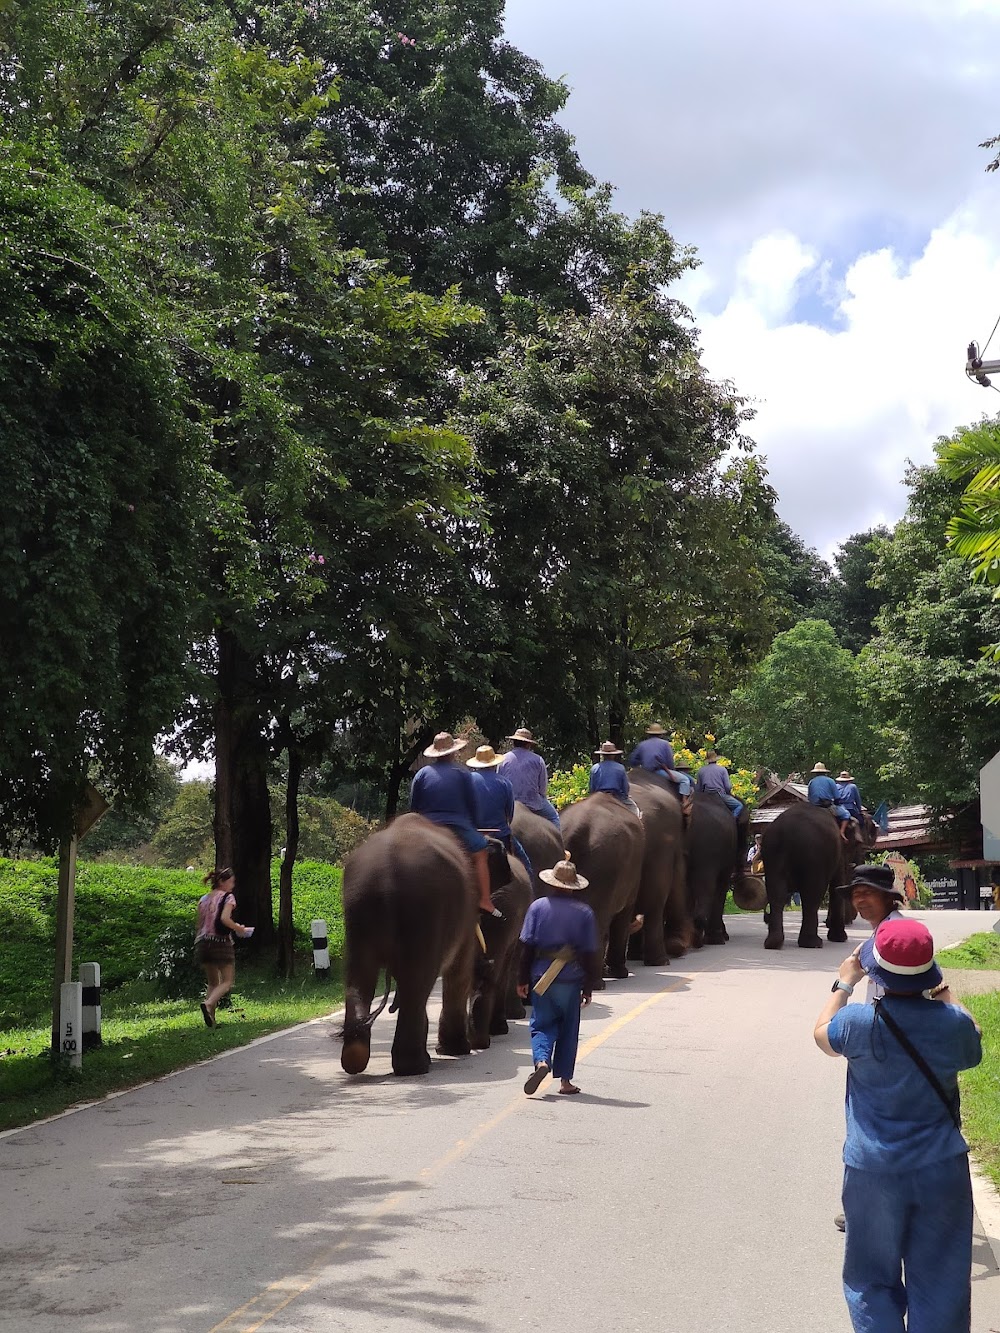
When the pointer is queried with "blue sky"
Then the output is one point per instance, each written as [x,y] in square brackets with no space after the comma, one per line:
[824,162]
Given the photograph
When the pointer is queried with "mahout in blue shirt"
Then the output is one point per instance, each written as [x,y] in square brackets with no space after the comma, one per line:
[652,754]
[556,920]
[610,776]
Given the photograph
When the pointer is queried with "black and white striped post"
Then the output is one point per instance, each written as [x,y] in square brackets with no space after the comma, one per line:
[90,979]
[321,948]
[71,1023]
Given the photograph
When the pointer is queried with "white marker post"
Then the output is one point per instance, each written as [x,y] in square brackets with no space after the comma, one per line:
[321,948]
[71,1023]
[90,980]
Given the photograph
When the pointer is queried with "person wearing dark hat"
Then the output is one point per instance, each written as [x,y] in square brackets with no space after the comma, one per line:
[525,770]
[875,897]
[560,965]
[907,1194]
[444,793]
[495,801]
[712,776]
[822,791]
[608,775]
[656,755]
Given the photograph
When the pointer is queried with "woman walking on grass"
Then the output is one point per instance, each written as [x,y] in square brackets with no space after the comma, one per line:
[213,942]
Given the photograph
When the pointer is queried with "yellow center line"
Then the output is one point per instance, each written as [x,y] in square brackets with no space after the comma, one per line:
[280,1293]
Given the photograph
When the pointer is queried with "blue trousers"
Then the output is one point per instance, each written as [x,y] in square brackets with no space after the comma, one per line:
[909,1248]
[683,780]
[555,1027]
[547,811]
[734,804]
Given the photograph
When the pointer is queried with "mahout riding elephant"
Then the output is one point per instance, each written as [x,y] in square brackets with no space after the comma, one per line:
[411,908]
[540,839]
[666,927]
[606,841]
[804,852]
[494,991]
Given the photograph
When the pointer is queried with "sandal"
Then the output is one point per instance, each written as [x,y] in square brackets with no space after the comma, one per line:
[535,1079]
[207,1015]
[570,1091]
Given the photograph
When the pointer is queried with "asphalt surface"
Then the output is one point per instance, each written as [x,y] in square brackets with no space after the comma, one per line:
[693,1184]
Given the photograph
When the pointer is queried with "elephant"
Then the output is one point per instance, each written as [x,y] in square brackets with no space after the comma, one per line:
[494,995]
[540,839]
[606,842]
[804,852]
[666,926]
[410,907]
[716,852]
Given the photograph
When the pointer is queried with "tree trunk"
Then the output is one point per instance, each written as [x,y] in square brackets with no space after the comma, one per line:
[286,951]
[242,800]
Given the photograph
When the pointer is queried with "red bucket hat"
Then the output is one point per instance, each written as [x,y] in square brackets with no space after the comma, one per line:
[901,956]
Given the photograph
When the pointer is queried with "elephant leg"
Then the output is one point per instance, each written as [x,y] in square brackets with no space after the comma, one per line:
[835,931]
[513,1004]
[776,899]
[456,989]
[809,930]
[358,996]
[677,925]
[480,1012]
[617,942]
[654,947]
[409,1048]
[715,931]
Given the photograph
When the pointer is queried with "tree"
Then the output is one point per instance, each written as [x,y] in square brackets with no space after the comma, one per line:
[972,455]
[802,705]
[852,602]
[930,672]
[125,829]
[185,835]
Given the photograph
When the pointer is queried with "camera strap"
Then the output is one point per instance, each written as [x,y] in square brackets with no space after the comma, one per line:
[925,1069]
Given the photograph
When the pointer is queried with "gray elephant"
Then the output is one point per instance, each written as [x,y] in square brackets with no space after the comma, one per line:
[666,928]
[495,980]
[410,909]
[804,852]
[715,858]
[540,839]
[606,841]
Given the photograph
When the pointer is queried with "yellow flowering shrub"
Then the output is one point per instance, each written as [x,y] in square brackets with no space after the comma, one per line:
[569,785]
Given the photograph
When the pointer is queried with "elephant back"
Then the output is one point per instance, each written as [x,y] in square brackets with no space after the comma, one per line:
[803,842]
[540,839]
[606,843]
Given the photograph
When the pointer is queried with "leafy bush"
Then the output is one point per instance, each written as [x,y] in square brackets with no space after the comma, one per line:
[328,831]
[186,836]
[172,968]
[569,785]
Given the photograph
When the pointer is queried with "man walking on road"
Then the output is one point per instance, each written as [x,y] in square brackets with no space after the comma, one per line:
[907,1193]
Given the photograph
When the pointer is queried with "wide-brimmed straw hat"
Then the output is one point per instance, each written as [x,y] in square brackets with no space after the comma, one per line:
[681,764]
[522,734]
[656,729]
[607,749]
[485,757]
[711,756]
[882,878]
[844,776]
[563,875]
[900,955]
[819,768]
[443,744]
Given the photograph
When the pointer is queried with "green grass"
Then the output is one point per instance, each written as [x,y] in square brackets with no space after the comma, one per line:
[138,924]
[981,1088]
[980,953]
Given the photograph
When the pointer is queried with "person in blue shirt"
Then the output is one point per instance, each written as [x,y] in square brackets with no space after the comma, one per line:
[656,755]
[445,793]
[849,797]
[608,775]
[495,801]
[907,1193]
[712,776]
[559,963]
[823,792]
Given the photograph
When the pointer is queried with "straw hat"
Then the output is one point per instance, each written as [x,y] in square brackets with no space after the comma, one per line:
[564,875]
[522,734]
[711,756]
[819,768]
[444,744]
[656,729]
[844,777]
[485,757]
[608,749]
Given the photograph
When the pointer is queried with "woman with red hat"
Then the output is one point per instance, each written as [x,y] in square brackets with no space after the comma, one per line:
[907,1193]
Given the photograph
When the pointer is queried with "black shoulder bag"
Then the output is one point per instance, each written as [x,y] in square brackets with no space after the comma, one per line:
[951,1104]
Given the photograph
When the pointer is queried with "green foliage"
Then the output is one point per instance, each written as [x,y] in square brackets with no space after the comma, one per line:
[981,1087]
[122,915]
[972,455]
[127,829]
[852,602]
[328,831]
[801,705]
[569,785]
[185,836]
[979,953]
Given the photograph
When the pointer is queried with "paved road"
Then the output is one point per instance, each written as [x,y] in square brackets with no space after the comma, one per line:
[692,1185]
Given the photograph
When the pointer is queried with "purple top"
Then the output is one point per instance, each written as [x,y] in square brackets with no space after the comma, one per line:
[610,776]
[494,801]
[652,753]
[444,793]
[554,921]
[210,909]
[526,772]
[713,777]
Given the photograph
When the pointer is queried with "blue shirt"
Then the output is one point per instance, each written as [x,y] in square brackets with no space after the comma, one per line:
[526,772]
[713,777]
[494,801]
[554,921]
[652,754]
[444,793]
[850,798]
[822,788]
[895,1119]
[610,776]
